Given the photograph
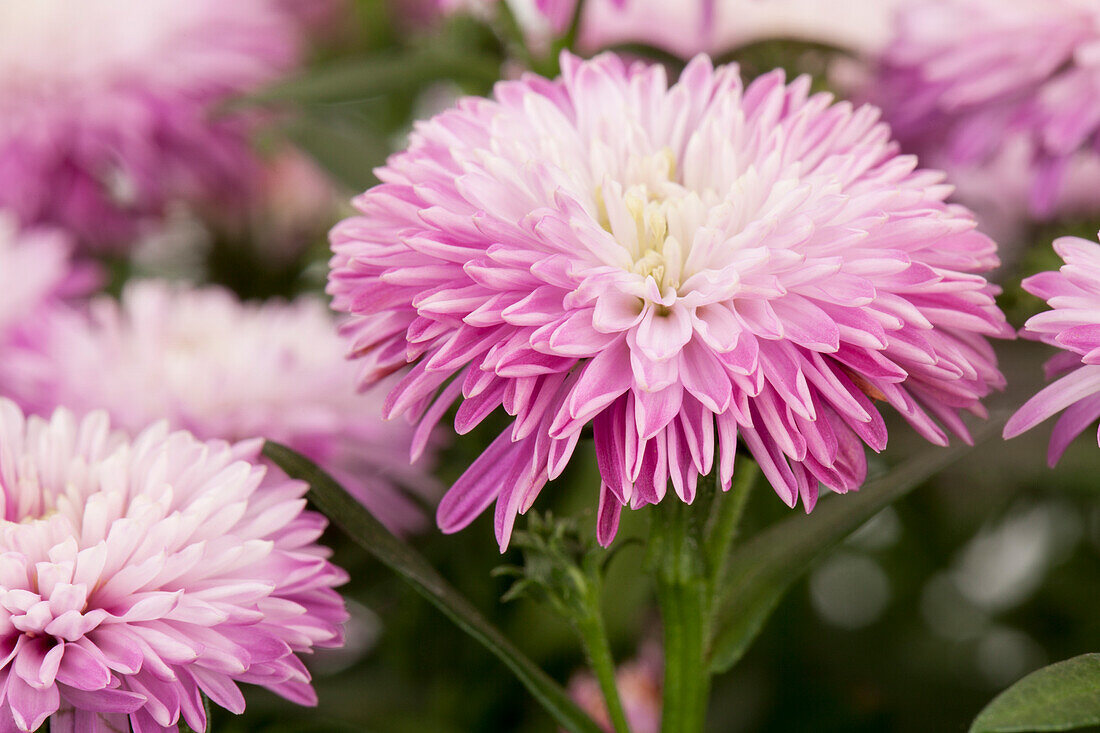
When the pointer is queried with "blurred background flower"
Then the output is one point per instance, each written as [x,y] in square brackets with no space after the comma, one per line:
[36,275]
[220,368]
[109,109]
[1005,87]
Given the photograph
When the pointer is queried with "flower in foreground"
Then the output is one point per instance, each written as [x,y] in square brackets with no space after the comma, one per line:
[675,267]
[1071,324]
[219,368]
[137,575]
[109,113]
[965,79]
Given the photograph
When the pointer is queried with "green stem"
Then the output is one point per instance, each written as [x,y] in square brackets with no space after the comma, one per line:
[594,638]
[687,680]
[725,517]
[683,594]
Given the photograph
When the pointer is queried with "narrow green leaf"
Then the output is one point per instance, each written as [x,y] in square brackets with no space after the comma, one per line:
[1063,696]
[350,516]
[762,569]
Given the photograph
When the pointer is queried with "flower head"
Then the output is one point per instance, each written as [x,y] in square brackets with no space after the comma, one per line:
[219,368]
[673,266]
[964,79]
[1072,324]
[108,113]
[138,574]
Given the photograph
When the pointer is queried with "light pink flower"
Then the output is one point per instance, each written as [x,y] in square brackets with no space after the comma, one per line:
[537,17]
[107,111]
[676,267]
[137,574]
[719,26]
[219,368]
[540,20]
[35,274]
[964,78]
[1072,324]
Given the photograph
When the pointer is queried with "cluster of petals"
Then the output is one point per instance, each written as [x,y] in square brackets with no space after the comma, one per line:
[1073,325]
[677,267]
[220,368]
[137,575]
[964,79]
[109,113]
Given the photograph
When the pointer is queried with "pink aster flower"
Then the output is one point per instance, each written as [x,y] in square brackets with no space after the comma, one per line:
[1072,324]
[108,112]
[675,267]
[964,78]
[219,368]
[138,574]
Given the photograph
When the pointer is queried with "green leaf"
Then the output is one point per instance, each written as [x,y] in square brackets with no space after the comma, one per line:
[350,516]
[372,77]
[1063,696]
[348,151]
[762,569]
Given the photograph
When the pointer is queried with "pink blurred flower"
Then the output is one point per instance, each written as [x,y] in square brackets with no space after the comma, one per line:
[537,17]
[966,79]
[1072,324]
[718,26]
[137,574]
[224,369]
[639,685]
[315,15]
[108,112]
[667,266]
[35,274]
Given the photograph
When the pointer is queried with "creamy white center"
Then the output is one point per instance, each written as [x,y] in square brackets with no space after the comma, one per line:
[653,217]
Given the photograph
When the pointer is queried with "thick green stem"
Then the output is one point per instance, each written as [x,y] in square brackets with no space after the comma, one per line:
[687,680]
[683,593]
[594,638]
[686,559]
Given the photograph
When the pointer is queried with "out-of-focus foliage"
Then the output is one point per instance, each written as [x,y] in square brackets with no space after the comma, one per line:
[1058,697]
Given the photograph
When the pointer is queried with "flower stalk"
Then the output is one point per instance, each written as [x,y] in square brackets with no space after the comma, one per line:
[564,573]
[679,568]
[686,558]
[596,647]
